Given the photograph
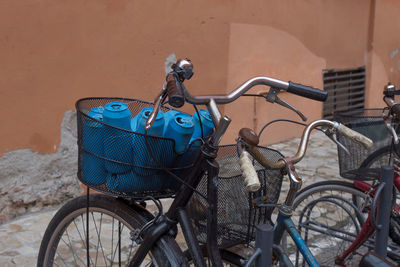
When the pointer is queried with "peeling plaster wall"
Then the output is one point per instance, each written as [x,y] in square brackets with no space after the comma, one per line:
[30,181]
[384,56]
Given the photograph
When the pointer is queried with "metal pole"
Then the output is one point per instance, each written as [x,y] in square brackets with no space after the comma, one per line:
[264,240]
[384,207]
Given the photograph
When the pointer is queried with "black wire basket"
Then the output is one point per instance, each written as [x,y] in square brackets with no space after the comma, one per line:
[238,210]
[116,161]
[368,122]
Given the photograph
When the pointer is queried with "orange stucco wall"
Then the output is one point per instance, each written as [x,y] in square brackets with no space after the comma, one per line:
[384,54]
[53,52]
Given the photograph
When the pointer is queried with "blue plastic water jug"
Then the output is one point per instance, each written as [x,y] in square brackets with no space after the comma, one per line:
[143,159]
[117,143]
[118,149]
[180,128]
[96,110]
[117,114]
[93,167]
[131,182]
[206,122]
[141,119]
[168,116]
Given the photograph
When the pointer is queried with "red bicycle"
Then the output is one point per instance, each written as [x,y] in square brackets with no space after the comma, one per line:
[335,217]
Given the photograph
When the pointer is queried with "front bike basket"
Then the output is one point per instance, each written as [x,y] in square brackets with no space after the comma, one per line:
[360,163]
[238,210]
[116,161]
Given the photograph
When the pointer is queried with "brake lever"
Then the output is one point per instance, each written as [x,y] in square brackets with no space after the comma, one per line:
[287,105]
[160,98]
[272,97]
[330,134]
[158,101]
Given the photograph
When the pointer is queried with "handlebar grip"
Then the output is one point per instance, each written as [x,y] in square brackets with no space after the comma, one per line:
[355,136]
[307,91]
[251,180]
[174,91]
[396,110]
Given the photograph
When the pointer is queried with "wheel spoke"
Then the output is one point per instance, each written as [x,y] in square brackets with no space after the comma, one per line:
[118,245]
[99,243]
[84,234]
[70,246]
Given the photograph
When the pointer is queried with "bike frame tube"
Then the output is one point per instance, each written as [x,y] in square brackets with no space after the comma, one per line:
[285,223]
[191,240]
[366,232]
[212,218]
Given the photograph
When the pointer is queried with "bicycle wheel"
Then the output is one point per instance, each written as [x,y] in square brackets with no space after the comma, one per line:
[111,224]
[328,221]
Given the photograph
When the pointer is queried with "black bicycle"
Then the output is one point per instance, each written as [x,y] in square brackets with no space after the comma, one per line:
[115,228]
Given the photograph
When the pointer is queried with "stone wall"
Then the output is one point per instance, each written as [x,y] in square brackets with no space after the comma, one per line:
[30,181]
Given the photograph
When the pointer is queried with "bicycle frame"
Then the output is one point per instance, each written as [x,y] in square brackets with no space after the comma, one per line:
[166,224]
[285,223]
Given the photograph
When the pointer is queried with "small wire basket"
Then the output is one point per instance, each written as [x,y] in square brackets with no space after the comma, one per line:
[368,122]
[238,210]
[116,161]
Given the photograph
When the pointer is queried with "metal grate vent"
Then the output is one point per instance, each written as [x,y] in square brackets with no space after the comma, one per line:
[346,90]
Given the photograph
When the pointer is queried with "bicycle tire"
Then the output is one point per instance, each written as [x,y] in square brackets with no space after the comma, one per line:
[335,212]
[381,155]
[64,235]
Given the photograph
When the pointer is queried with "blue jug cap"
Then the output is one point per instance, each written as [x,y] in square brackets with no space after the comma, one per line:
[116,106]
[98,117]
[147,111]
[97,110]
[205,114]
[93,123]
[184,120]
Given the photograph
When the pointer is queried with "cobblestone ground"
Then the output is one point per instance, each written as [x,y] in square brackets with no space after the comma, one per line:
[20,239]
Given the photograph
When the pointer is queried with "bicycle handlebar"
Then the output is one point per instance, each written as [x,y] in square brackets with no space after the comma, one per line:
[178,94]
[252,149]
[175,87]
[298,89]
